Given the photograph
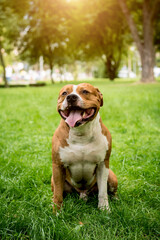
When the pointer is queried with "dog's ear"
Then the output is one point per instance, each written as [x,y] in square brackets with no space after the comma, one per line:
[100,97]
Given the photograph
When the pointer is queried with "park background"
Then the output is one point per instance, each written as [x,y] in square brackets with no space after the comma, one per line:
[114,45]
[64,40]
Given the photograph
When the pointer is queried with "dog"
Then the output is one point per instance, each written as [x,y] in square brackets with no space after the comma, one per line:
[81,147]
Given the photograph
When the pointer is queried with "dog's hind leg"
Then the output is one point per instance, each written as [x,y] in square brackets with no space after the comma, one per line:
[52,186]
[112,183]
[68,187]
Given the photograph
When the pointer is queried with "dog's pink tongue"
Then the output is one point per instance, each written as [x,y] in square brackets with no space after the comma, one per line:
[74,116]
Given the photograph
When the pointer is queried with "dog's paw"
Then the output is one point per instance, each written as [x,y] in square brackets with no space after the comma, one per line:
[103,204]
[57,208]
[105,208]
[83,196]
[115,197]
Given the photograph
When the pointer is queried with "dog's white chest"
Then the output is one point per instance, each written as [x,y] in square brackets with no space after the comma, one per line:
[86,148]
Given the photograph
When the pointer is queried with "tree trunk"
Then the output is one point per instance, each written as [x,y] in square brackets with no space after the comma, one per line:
[147,66]
[148,52]
[3,65]
[145,47]
[50,59]
[61,73]
[51,71]
[52,80]
[111,67]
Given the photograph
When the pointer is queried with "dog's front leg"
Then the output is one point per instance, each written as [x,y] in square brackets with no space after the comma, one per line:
[102,177]
[58,186]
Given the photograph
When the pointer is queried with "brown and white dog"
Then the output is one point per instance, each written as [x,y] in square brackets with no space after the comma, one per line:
[81,147]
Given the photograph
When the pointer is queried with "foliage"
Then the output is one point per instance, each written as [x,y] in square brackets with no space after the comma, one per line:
[10,27]
[64,31]
[110,40]
[28,120]
[45,33]
[136,8]
[99,32]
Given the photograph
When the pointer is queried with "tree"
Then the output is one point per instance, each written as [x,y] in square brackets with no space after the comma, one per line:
[98,32]
[143,32]
[45,34]
[7,34]
[108,39]
[11,21]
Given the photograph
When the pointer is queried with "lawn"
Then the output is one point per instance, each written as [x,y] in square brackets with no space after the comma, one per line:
[28,119]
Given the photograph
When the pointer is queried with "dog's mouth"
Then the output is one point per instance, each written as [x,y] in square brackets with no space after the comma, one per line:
[76,116]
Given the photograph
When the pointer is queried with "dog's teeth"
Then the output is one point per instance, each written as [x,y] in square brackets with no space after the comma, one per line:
[84,114]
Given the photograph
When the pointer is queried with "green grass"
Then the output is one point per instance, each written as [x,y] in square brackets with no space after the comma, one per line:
[28,119]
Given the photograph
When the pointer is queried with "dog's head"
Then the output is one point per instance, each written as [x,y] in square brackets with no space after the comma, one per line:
[78,104]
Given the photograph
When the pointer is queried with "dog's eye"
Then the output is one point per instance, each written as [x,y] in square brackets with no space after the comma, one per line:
[64,93]
[85,91]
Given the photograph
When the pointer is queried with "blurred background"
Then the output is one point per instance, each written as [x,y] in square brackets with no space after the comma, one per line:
[52,41]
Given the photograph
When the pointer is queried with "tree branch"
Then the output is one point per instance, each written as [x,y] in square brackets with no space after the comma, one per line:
[131,24]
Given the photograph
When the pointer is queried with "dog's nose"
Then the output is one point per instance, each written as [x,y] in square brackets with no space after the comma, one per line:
[72,98]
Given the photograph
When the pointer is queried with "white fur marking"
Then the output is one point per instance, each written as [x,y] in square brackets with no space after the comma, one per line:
[74,89]
[75,92]
[102,177]
[80,100]
[64,104]
[86,149]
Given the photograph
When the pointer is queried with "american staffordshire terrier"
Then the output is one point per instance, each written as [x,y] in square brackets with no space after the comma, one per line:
[81,147]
